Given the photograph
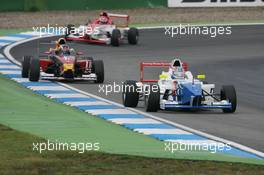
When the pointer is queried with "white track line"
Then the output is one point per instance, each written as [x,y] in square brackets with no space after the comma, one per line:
[66,95]
[209,136]
[162,131]
[86,103]
[25,80]
[21,80]
[3,44]
[194,142]
[10,72]
[4,61]
[55,88]
[11,38]
[184,24]
[134,121]
[9,66]
[31,33]
[109,111]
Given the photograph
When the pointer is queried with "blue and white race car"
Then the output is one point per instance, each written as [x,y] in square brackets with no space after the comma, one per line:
[177,89]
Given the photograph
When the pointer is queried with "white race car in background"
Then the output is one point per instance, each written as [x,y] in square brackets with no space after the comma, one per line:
[109,33]
[177,89]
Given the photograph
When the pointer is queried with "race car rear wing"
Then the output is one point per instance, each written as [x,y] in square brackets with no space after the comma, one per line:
[143,65]
[157,64]
[120,16]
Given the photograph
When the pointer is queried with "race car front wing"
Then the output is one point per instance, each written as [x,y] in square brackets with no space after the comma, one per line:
[175,105]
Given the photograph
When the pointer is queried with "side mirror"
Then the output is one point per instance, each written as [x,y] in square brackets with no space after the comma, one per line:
[79,53]
[200,76]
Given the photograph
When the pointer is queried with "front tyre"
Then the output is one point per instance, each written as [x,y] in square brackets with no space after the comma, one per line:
[25,66]
[228,93]
[34,70]
[130,96]
[132,36]
[153,100]
[115,37]
[98,69]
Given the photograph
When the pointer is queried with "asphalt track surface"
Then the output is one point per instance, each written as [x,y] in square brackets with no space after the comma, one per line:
[236,59]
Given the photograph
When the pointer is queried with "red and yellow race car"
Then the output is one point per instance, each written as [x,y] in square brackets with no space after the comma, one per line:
[63,63]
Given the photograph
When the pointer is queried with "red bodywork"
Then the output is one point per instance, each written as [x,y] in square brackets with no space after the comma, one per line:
[156,64]
[45,63]
[86,39]
[114,16]
[84,65]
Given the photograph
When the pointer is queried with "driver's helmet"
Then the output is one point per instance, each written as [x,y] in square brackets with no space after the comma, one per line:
[176,69]
[66,49]
[61,41]
[103,19]
[104,14]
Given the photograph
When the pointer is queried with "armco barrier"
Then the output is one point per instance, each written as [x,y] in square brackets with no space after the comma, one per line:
[35,5]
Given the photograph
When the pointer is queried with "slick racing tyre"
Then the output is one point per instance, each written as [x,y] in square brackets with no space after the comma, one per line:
[115,37]
[25,66]
[153,100]
[229,93]
[98,69]
[132,36]
[34,70]
[130,96]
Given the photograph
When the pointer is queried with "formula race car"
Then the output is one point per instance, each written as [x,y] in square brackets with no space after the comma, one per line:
[63,63]
[104,31]
[177,89]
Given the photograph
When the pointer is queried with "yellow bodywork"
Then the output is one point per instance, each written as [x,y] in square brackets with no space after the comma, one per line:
[67,67]
[163,76]
[201,76]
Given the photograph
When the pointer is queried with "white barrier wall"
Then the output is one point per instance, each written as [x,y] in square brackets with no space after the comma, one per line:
[215,3]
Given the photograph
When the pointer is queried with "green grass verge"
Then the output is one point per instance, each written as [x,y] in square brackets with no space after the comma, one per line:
[12,31]
[26,111]
[17,157]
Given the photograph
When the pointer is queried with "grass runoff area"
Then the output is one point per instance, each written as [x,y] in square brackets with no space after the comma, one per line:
[11,31]
[17,157]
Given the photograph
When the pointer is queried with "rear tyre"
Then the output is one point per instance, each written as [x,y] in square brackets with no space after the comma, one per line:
[25,66]
[98,69]
[153,100]
[132,36]
[115,37]
[229,93]
[34,70]
[130,96]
